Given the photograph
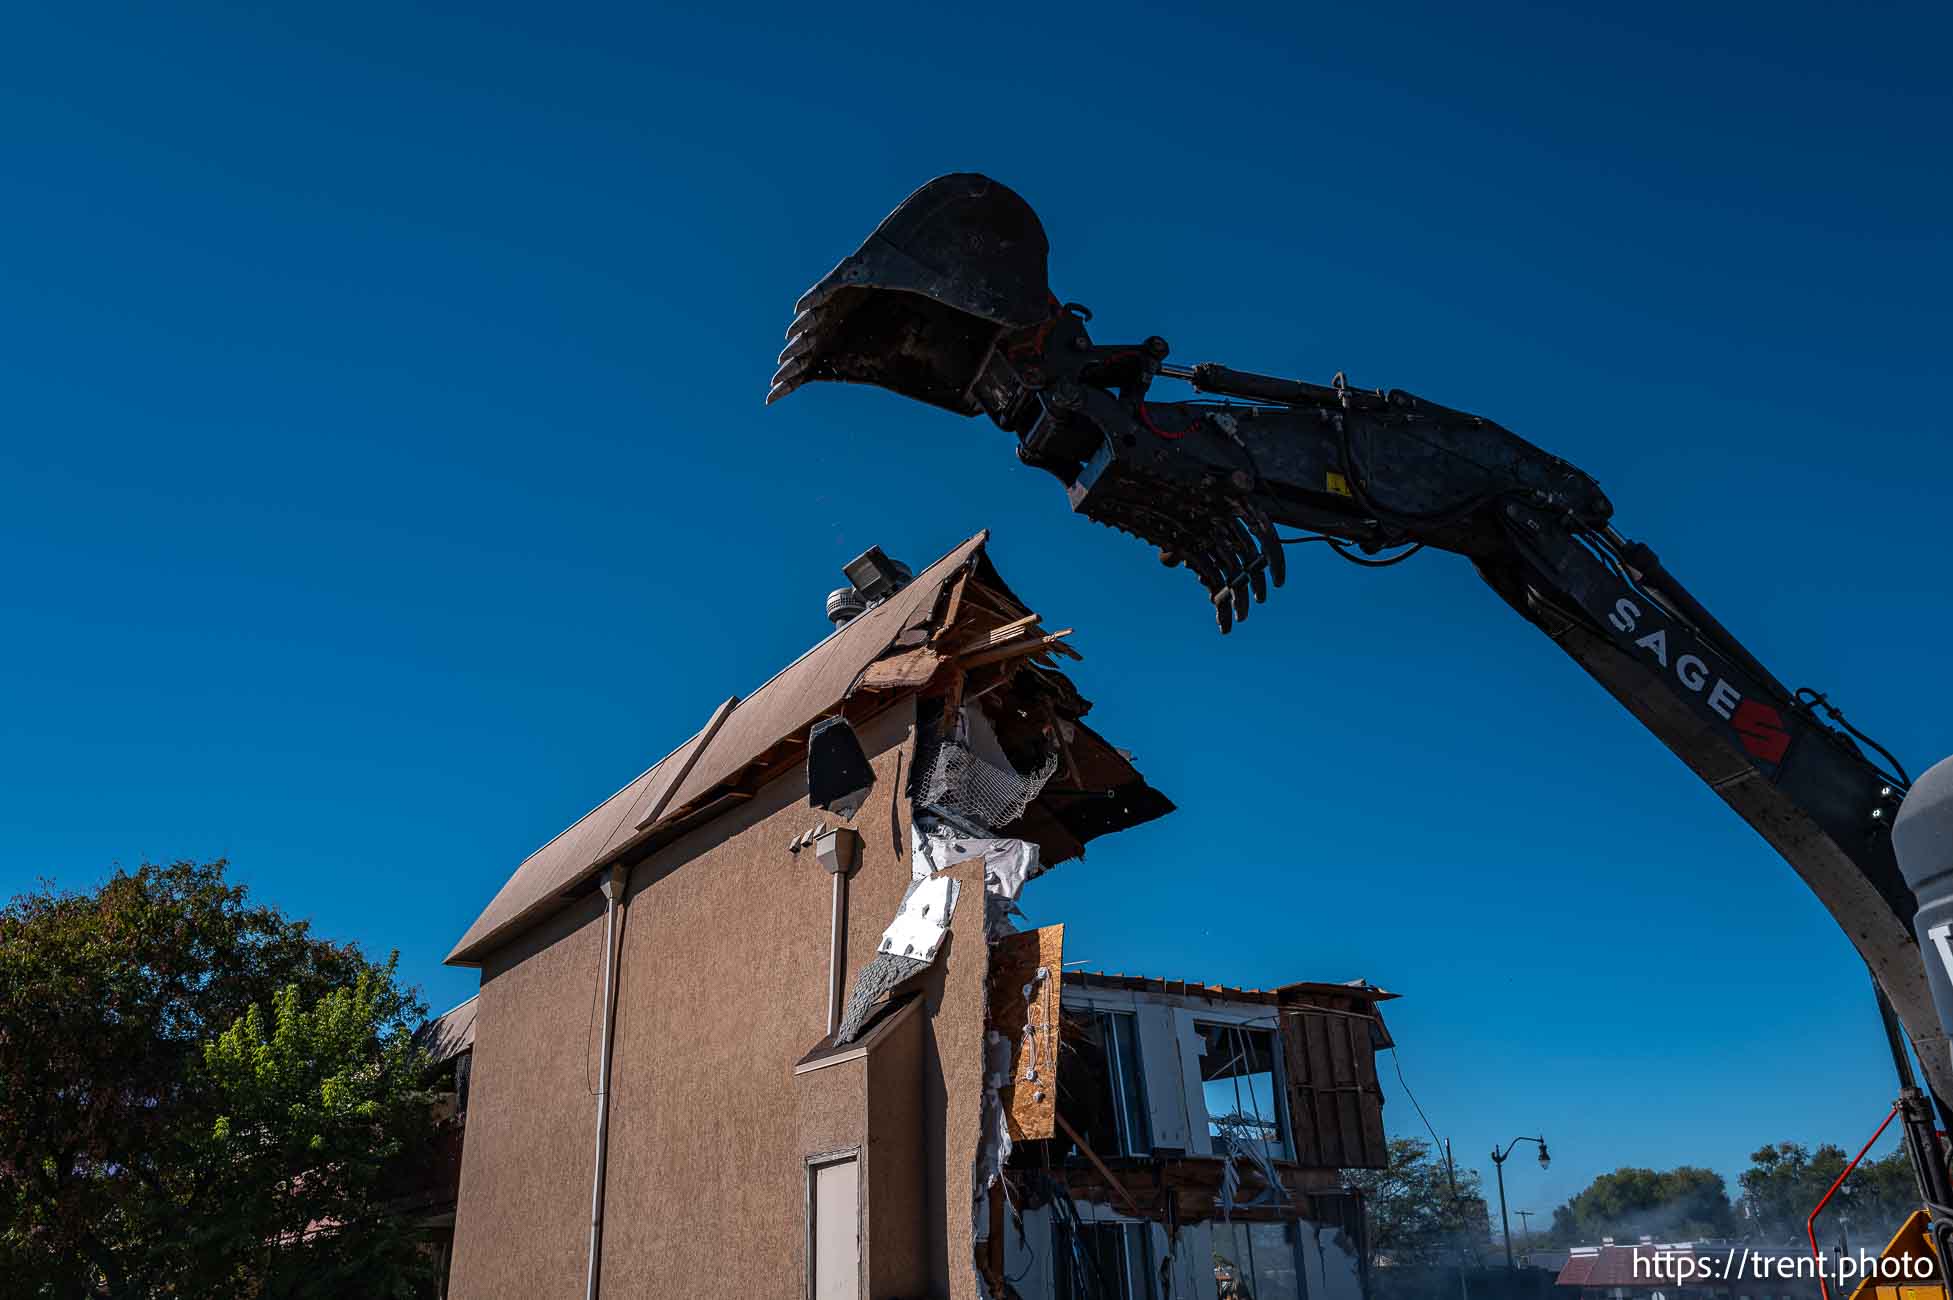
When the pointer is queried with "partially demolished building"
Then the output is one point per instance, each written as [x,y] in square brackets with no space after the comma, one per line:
[761,1023]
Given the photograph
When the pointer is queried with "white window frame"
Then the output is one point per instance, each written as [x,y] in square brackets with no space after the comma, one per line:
[1197,1093]
[1169,1058]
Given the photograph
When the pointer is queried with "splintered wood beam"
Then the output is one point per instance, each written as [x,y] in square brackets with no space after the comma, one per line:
[909,669]
[1111,1179]
[955,605]
[997,635]
[1015,649]
[952,699]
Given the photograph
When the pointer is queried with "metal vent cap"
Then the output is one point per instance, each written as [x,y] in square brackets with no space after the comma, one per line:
[844,603]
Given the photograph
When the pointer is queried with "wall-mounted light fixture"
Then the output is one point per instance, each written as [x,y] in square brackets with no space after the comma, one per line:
[874,575]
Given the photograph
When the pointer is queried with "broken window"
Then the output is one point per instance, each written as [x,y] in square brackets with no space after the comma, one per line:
[1104,1261]
[1241,1084]
[1099,1083]
[1257,1261]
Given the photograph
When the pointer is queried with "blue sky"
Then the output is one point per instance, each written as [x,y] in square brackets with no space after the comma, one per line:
[384,478]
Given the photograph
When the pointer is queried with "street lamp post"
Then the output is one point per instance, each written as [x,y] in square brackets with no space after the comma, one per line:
[1498,1161]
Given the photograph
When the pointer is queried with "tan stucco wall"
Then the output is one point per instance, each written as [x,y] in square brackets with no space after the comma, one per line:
[952,1089]
[519,1229]
[723,986]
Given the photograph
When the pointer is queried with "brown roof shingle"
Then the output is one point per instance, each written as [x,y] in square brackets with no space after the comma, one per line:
[792,700]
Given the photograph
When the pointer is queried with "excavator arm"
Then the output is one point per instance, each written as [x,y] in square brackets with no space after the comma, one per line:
[948,303]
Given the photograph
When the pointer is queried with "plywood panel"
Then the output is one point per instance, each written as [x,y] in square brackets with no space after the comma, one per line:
[1334,1101]
[1329,1134]
[1301,1092]
[1026,971]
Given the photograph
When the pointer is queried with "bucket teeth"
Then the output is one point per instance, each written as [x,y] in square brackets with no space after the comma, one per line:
[787,378]
[1263,529]
[803,340]
[798,345]
[1254,561]
[1230,546]
[803,323]
[915,307]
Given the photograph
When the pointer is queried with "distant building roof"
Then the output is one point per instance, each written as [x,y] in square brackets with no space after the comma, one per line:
[450,1034]
[1646,1265]
[1578,1268]
[1668,1266]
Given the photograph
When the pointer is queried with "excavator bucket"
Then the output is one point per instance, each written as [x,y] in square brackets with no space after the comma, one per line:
[917,308]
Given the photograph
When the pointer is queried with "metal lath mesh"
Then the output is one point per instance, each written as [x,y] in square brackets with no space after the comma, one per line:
[887,970]
[955,778]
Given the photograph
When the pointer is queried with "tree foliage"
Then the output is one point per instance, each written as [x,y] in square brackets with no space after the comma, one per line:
[1669,1205]
[1416,1216]
[1785,1181]
[199,1097]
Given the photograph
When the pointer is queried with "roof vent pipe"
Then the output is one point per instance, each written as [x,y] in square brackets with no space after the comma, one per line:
[843,603]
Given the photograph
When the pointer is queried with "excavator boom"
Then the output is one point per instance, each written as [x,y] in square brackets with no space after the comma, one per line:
[948,303]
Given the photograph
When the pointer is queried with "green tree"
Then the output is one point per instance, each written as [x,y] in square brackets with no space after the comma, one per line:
[1416,1217]
[1669,1204]
[199,1097]
[1785,1182]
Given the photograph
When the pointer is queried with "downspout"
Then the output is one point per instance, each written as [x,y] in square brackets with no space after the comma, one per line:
[613,890]
[837,952]
[839,852]
[614,883]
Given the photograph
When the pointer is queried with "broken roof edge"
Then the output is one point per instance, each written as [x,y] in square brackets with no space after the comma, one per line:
[538,886]
[1361,990]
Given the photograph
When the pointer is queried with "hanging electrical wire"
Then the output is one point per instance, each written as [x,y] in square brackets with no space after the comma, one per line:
[1437,1143]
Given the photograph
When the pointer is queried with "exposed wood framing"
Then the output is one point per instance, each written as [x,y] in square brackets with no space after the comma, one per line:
[994,601]
[1336,1103]
[954,607]
[906,671]
[953,699]
[1111,1179]
[1194,1185]
[996,635]
[1017,648]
